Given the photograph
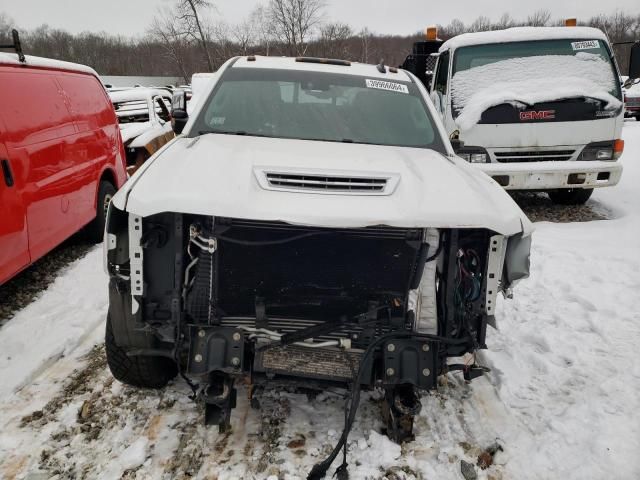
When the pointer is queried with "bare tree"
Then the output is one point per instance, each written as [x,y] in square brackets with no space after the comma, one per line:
[6,24]
[293,22]
[505,21]
[166,31]
[189,13]
[456,27]
[263,27]
[480,24]
[539,18]
[332,42]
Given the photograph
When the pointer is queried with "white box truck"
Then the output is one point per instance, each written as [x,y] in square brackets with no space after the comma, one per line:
[536,108]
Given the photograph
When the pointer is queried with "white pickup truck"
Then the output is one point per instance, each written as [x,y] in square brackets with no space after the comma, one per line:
[534,108]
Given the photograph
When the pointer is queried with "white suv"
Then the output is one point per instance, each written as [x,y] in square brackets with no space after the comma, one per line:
[310,225]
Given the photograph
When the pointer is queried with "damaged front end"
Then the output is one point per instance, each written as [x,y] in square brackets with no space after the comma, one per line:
[225,298]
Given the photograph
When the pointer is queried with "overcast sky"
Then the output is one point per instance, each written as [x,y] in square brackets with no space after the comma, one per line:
[131,17]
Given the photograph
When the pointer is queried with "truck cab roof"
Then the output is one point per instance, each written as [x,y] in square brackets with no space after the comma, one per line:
[523,34]
[322,65]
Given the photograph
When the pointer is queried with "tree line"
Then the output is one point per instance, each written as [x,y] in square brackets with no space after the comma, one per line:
[189,36]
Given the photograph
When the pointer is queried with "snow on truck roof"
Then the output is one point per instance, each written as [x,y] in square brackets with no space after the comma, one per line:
[290,63]
[523,34]
[139,93]
[7,58]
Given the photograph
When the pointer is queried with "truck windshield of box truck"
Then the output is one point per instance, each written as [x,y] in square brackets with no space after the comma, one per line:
[565,69]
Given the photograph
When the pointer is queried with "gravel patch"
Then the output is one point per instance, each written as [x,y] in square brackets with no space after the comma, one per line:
[539,208]
[22,289]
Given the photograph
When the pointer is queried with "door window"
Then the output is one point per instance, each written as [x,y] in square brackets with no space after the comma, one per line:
[441,76]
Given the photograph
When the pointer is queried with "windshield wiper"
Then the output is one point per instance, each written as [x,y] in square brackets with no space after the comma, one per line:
[231,132]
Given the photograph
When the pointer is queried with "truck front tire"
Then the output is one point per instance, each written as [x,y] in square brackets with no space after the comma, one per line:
[95,230]
[138,371]
[570,196]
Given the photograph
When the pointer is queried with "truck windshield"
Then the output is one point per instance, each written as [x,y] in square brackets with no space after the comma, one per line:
[318,106]
[533,71]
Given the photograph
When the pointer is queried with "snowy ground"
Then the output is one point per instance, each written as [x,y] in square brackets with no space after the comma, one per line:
[562,399]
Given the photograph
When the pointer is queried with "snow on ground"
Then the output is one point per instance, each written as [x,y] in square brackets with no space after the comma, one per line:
[561,400]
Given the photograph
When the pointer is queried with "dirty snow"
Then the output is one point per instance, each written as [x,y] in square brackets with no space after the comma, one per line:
[561,400]
[530,80]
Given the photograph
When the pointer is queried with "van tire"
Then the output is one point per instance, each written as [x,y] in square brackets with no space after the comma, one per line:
[570,196]
[141,371]
[95,230]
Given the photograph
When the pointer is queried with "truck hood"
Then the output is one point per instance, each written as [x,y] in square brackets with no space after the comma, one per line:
[219,175]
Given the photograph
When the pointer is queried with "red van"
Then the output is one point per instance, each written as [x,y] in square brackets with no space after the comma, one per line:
[61,157]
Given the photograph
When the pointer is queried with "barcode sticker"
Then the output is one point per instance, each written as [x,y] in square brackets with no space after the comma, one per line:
[585,45]
[391,86]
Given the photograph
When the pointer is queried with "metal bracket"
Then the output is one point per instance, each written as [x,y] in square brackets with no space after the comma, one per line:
[16,45]
[208,244]
[135,259]
[495,263]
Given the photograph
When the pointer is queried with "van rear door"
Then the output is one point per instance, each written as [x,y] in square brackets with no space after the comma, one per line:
[14,240]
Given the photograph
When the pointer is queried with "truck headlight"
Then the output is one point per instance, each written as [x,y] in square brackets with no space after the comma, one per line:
[604,151]
[473,154]
[604,154]
[478,158]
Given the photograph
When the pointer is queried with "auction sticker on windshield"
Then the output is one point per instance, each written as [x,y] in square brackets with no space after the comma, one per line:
[585,45]
[391,86]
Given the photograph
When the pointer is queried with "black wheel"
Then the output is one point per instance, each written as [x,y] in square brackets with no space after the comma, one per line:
[570,196]
[138,371]
[95,230]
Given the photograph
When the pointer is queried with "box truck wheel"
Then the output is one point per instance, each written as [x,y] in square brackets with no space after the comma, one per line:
[570,196]
[95,230]
[140,370]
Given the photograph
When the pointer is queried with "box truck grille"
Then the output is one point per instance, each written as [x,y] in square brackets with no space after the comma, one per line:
[326,183]
[319,363]
[534,156]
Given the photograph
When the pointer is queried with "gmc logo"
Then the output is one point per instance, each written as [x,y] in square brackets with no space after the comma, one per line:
[539,115]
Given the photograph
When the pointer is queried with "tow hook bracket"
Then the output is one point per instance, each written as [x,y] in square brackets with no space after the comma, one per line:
[215,348]
[410,361]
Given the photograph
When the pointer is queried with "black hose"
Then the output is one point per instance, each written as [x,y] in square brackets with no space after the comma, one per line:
[319,470]
[438,250]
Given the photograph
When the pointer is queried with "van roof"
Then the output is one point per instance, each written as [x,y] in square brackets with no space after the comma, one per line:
[7,58]
[290,63]
[523,34]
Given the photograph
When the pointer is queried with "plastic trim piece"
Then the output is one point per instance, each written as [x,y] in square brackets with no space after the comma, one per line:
[495,261]
[136,259]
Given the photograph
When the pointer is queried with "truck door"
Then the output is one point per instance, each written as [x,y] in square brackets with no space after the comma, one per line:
[14,239]
[439,90]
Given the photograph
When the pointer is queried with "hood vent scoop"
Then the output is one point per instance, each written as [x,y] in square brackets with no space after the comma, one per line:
[336,183]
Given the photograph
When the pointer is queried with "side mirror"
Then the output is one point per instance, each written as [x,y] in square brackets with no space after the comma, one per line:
[179,115]
[634,62]
[457,144]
